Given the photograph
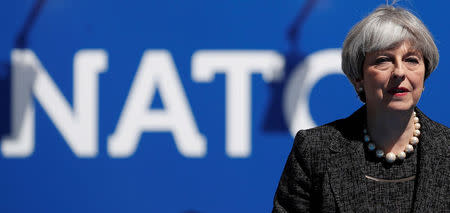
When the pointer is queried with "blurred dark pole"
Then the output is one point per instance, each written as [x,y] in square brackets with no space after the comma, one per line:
[21,42]
[274,120]
[22,37]
[294,30]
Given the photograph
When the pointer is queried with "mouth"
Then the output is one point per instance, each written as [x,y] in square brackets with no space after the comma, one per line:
[398,91]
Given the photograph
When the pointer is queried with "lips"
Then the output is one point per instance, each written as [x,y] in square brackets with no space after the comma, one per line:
[398,91]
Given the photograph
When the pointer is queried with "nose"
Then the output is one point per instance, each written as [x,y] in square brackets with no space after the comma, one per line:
[399,72]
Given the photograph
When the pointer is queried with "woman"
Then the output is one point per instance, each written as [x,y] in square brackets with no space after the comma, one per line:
[387,156]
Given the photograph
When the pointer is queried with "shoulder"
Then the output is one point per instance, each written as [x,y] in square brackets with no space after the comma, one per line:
[440,131]
[318,134]
[439,128]
[319,139]
[341,130]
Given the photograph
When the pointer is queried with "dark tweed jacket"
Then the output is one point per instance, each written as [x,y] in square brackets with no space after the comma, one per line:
[323,172]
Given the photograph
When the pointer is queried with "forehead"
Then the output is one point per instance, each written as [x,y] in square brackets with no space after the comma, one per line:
[403,47]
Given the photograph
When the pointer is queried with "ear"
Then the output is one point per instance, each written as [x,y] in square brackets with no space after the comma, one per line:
[358,84]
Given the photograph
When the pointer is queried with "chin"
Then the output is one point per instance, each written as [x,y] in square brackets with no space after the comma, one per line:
[399,106]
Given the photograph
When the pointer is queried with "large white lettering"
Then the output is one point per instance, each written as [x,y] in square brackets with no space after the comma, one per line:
[79,124]
[78,127]
[157,71]
[238,67]
[299,86]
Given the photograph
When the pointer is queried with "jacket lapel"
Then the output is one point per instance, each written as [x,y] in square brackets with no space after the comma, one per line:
[433,179]
[346,165]
[347,180]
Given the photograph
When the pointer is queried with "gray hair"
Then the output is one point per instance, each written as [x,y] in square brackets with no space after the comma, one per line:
[382,29]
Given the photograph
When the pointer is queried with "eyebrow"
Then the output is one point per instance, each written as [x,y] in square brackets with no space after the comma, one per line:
[388,53]
[414,53]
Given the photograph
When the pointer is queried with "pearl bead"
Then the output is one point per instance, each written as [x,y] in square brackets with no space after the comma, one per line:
[390,157]
[401,155]
[379,153]
[417,125]
[414,141]
[371,146]
[409,148]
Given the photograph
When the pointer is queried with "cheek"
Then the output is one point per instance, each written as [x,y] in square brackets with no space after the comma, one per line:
[418,77]
[376,80]
[417,80]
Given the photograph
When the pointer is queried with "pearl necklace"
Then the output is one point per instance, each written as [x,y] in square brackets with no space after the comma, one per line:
[391,157]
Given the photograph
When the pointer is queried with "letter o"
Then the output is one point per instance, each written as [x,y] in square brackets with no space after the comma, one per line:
[298,87]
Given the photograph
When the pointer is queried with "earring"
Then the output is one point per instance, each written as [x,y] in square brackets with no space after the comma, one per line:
[360,89]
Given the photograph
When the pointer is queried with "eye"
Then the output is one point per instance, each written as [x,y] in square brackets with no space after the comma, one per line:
[381,60]
[412,60]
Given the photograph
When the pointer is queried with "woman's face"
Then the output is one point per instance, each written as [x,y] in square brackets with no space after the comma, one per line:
[393,78]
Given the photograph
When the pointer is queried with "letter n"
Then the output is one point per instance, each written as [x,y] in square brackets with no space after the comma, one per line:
[79,127]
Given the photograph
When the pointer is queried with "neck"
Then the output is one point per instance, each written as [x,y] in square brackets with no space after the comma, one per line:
[390,130]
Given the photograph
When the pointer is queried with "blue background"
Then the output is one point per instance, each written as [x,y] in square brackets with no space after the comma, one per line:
[157,178]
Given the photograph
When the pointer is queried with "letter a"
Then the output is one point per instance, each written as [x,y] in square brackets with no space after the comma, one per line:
[156,71]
